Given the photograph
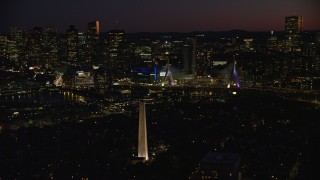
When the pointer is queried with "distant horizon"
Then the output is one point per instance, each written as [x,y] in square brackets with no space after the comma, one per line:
[159,16]
[185,32]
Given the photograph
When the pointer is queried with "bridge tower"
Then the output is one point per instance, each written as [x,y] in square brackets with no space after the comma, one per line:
[168,74]
[234,80]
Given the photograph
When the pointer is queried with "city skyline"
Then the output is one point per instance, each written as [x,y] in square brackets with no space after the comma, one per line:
[164,16]
[174,90]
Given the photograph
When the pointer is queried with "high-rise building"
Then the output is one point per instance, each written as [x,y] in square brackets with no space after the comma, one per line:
[63,49]
[189,57]
[293,24]
[34,46]
[116,38]
[18,44]
[142,136]
[49,46]
[93,33]
[204,52]
[12,51]
[72,43]
[293,29]
[272,42]
[116,41]
[3,47]
[84,56]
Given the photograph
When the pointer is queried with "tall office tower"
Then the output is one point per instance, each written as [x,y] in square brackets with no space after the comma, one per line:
[204,52]
[142,136]
[34,46]
[49,47]
[293,29]
[72,43]
[293,24]
[12,51]
[83,49]
[93,33]
[3,47]
[189,57]
[18,44]
[272,42]
[116,41]
[63,49]
[100,57]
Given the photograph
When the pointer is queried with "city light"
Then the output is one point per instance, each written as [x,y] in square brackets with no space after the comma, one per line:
[99,99]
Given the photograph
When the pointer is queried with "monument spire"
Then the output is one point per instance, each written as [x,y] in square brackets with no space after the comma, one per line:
[142,136]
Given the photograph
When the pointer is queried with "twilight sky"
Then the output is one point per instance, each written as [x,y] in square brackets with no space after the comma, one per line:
[159,15]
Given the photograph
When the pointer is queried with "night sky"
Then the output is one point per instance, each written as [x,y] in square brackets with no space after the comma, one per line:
[159,15]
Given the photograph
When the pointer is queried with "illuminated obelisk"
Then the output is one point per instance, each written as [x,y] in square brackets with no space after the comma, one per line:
[142,136]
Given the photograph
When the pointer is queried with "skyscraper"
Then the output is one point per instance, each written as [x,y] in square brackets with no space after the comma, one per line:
[203,53]
[189,57]
[116,37]
[293,29]
[34,46]
[84,50]
[18,44]
[3,47]
[93,33]
[272,42]
[49,46]
[142,136]
[72,43]
[293,24]
[93,30]
[116,40]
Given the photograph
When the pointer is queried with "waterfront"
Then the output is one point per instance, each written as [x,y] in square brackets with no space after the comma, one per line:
[43,108]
